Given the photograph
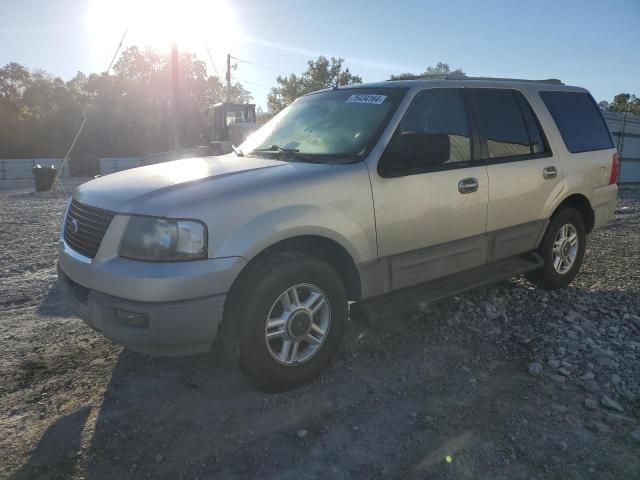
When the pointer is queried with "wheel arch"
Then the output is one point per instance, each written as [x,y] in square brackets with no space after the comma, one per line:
[324,248]
[321,247]
[582,204]
[318,246]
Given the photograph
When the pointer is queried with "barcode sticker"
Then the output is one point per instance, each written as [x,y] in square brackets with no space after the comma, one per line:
[366,98]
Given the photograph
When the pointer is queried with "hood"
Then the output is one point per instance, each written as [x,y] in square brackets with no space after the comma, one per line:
[129,191]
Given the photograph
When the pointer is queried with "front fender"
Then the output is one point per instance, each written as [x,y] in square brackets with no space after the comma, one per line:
[286,222]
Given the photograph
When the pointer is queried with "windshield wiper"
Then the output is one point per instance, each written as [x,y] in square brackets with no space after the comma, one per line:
[277,148]
[293,153]
[237,151]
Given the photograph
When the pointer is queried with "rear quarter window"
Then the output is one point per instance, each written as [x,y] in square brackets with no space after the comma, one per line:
[579,121]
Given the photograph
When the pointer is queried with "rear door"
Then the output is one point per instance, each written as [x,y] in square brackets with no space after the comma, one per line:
[524,175]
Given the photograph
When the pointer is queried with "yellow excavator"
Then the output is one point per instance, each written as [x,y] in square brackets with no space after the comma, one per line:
[232,124]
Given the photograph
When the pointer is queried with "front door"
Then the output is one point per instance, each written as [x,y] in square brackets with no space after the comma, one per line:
[430,192]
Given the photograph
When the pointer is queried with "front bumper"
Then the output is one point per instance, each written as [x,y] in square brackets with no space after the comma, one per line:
[170,328]
[178,306]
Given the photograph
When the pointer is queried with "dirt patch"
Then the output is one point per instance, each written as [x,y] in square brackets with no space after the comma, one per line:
[447,393]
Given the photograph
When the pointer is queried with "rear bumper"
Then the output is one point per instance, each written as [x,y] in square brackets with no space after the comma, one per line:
[604,203]
[160,328]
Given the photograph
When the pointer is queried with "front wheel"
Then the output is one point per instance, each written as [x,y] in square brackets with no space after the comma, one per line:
[562,249]
[292,318]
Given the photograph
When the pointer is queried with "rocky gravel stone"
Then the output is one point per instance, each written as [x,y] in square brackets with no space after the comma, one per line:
[535,369]
[591,386]
[590,404]
[607,362]
[557,378]
[553,363]
[633,319]
[405,382]
[610,403]
[617,419]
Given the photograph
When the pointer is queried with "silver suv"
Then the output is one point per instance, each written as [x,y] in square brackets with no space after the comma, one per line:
[424,188]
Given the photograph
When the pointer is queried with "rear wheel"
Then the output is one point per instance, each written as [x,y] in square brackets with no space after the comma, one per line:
[562,249]
[292,311]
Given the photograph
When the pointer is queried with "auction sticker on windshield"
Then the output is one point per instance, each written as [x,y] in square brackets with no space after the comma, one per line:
[366,98]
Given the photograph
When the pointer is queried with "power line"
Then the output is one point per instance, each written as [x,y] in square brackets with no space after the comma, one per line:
[57,181]
[113,59]
[240,60]
[206,45]
[251,83]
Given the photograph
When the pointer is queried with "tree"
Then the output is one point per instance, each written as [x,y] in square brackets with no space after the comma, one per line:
[623,102]
[321,73]
[441,69]
[129,111]
[14,79]
[261,115]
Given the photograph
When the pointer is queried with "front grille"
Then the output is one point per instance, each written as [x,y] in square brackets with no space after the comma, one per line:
[85,226]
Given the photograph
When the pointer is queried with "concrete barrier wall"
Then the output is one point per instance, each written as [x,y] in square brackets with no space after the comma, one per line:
[20,168]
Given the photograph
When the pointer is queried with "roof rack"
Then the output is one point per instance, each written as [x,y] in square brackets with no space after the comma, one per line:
[462,76]
[554,81]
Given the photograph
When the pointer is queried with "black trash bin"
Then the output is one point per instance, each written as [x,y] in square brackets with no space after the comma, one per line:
[44,177]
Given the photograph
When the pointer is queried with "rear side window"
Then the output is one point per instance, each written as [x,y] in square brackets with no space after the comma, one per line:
[507,123]
[579,120]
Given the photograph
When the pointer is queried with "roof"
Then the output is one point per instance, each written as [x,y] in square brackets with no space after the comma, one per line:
[463,81]
[419,83]
[462,76]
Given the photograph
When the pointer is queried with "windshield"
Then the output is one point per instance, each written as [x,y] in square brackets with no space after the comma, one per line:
[324,126]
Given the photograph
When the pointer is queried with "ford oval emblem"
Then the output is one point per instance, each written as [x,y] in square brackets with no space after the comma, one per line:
[74,226]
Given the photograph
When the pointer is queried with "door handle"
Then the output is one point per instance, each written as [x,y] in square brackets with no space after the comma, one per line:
[468,185]
[549,172]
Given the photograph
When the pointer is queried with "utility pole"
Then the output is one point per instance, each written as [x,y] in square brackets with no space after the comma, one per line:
[175,96]
[228,78]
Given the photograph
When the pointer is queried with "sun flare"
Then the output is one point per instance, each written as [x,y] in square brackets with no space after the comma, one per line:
[159,23]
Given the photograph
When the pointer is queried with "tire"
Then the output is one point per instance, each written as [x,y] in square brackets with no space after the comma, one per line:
[550,276]
[259,298]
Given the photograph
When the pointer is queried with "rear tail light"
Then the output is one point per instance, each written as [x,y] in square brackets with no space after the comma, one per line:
[615,169]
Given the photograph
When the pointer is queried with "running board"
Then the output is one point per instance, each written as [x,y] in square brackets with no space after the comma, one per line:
[408,299]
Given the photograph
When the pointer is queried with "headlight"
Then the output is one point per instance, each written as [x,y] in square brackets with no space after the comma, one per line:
[163,240]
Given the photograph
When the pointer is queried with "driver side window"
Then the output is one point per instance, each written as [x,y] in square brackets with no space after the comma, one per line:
[433,135]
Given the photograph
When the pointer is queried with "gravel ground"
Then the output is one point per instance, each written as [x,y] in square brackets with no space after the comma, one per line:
[503,383]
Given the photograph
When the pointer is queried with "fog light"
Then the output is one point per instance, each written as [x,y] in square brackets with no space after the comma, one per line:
[133,319]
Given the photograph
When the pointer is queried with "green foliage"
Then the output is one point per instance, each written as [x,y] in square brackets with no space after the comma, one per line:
[129,112]
[623,102]
[440,70]
[262,116]
[321,73]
